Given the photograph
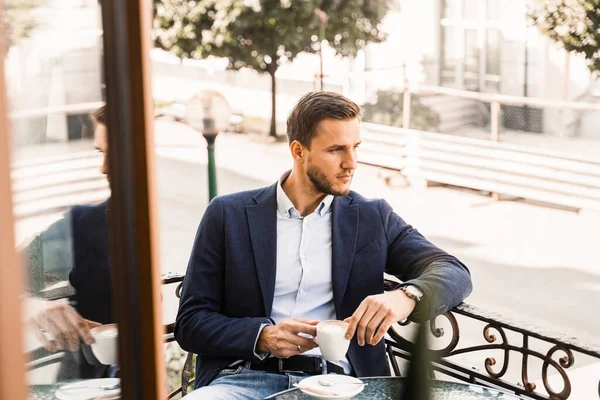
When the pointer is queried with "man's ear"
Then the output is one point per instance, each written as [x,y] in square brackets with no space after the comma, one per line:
[298,151]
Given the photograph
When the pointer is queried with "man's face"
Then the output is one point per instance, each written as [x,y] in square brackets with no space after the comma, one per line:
[332,156]
[101,144]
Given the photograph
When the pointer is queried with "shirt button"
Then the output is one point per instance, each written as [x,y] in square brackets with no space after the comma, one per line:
[301,291]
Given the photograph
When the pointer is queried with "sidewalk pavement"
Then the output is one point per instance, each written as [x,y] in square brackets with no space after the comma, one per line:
[516,233]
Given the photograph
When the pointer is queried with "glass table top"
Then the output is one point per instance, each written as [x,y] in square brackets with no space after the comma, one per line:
[382,388]
[385,388]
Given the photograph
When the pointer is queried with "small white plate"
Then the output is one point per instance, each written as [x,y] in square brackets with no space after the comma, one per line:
[87,390]
[339,391]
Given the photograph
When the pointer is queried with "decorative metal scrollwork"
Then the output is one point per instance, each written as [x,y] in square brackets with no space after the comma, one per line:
[529,386]
[439,332]
[565,362]
[491,361]
[435,331]
[496,338]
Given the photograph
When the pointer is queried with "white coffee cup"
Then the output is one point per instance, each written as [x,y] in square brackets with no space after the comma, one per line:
[331,338]
[105,347]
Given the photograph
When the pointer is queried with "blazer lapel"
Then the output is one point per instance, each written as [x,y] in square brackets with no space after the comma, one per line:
[344,233]
[262,222]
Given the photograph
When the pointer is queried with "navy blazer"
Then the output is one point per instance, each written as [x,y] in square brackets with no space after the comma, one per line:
[230,281]
[91,271]
[91,279]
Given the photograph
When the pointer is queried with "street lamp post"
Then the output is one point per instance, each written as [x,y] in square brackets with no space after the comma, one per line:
[208,112]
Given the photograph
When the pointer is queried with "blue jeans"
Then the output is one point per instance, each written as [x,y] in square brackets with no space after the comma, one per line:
[245,383]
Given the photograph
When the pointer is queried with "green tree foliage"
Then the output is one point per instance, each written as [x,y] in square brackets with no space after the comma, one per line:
[575,24]
[388,108]
[261,34]
[19,19]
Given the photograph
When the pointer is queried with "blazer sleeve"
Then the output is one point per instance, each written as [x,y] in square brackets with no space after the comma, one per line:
[443,279]
[200,326]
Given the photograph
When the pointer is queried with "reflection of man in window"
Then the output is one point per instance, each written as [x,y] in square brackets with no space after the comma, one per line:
[73,248]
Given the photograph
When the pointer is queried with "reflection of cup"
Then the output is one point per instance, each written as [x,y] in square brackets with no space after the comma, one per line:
[331,338]
[105,346]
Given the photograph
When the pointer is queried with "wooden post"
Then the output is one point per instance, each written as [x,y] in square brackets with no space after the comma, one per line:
[495,121]
[406,108]
[495,128]
[405,100]
[566,76]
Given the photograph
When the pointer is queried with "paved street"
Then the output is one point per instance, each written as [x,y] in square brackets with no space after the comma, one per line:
[535,264]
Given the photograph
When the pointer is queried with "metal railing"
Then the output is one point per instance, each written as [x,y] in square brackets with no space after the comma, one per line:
[501,337]
[514,343]
[63,109]
[497,104]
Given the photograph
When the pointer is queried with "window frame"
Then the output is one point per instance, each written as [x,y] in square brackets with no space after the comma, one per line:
[133,232]
[12,357]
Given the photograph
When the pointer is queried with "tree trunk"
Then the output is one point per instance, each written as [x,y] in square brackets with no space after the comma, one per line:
[271,69]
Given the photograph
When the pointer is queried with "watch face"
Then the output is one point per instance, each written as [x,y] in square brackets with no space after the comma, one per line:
[414,292]
[417,291]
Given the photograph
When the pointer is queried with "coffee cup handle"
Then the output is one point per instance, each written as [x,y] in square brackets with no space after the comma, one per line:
[315,339]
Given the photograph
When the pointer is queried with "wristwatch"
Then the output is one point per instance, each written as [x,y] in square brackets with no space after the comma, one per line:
[412,292]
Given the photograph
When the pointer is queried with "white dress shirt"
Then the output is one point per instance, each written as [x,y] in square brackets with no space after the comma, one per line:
[303,285]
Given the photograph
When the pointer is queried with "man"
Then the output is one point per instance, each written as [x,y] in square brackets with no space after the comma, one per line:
[267,265]
[74,247]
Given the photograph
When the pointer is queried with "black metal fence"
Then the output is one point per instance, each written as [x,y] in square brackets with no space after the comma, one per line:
[506,349]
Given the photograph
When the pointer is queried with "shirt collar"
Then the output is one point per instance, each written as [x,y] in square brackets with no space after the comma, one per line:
[286,208]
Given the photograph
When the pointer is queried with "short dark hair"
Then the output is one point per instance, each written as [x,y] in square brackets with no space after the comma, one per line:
[99,116]
[315,107]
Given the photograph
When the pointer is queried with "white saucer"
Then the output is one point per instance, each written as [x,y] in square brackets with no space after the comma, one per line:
[89,389]
[340,391]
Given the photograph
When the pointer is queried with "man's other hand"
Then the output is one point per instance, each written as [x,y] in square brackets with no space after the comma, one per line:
[283,340]
[57,325]
[376,314]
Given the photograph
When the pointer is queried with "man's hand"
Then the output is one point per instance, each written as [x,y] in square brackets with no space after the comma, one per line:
[376,314]
[57,325]
[282,340]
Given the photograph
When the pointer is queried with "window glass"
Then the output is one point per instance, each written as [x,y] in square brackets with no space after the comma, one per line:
[60,190]
[493,41]
[471,9]
[449,56]
[471,59]
[452,9]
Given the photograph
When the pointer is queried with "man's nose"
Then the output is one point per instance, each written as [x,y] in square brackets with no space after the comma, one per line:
[350,161]
[104,166]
